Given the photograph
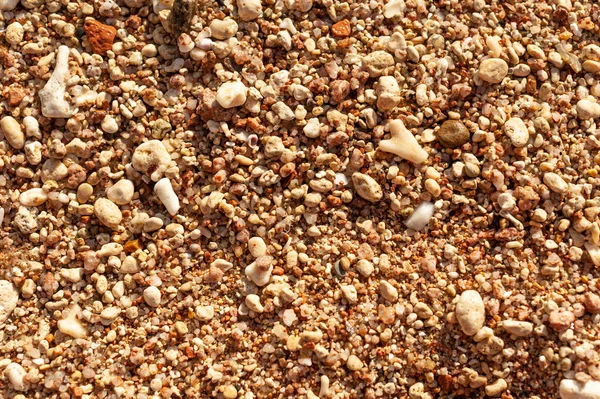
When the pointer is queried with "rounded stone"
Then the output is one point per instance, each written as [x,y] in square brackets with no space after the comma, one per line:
[9,296]
[121,193]
[453,134]
[470,312]
[152,296]
[107,213]
[493,70]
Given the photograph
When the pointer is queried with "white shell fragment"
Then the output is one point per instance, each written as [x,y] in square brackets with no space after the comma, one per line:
[403,143]
[164,191]
[52,96]
[421,216]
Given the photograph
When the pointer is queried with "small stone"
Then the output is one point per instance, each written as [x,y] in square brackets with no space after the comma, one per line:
[284,112]
[561,319]
[518,328]
[587,109]
[209,108]
[73,275]
[223,29]
[376,62]
[8,5]
[517,131]
[312,129]
[591,302]
[14,33]
[152,296]
[253,303]
[341,28]
[121,193]
[205,313]
[107,213]
[367,187]
[109,125]
[84,192]
[249,10]
[394,8]
[100,36]
[388,291]
[231,94]
[257,247]
[110,314]
[33,197]
[259,271]
[453,134]
[493,70]
[166,194]
[555,183]
[470,312]
[229,391]
[12,132]
[573,389]
[496,388]
[388,93]
[354,363]
[350,293]
[54,169]
[16,376]
[9,297]
[151,158]
[364,267]
[421,216]
[71,326]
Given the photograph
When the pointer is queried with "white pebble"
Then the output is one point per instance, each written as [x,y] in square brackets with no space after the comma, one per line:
[253,303]
[249,9]
[517,131]
[121,193]
[587,109]
[394,8]
[16,375]
[257,247]
[470,312]
[231,94]
[367,187]
[312,129]
[421,216]
[33,197]
[152,296]
[573,389]
[223,29]
[166,194]
[151,158]
[109,124]
[71,326]
[14,33]
[107,213]
[555,182]
[8,5]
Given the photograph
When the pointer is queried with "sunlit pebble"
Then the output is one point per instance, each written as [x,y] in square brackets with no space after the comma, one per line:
[340,179]
[205,44]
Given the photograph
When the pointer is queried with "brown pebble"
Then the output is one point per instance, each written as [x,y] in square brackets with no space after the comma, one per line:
[341,28]
[100,36]
[453,134]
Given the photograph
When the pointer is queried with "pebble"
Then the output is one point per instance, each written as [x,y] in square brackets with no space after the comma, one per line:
[249,10]
[403,143]
[496,388]
[388,93]
[11,129]
[166,194]
[453,134]
[152,296]
[100,36]
[33,197]
[470,312]
[8,5]
[517,131]
[587,109]
[518,328]
[54,169]
[52,96]
[388,291]
[555,183]
[151,158]
[341,28]
[420,217]
[591,302]
[561,319]
[367,187]
[153,224]
[230,392]
[232,94]
[16,376]
[205,313]
[354,363]
[350,293]
[109,124]
[573,389]
[394,8]
[257,247]
[253,303]
[9,297]
[493,70]
[376,62]
[121,193]
[14,33]
[107,213]
[259,271]
[71,326]
[84,192]
[223,29]
[312,129]
[110,314]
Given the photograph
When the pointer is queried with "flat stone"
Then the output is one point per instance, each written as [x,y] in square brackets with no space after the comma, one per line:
[453,134]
